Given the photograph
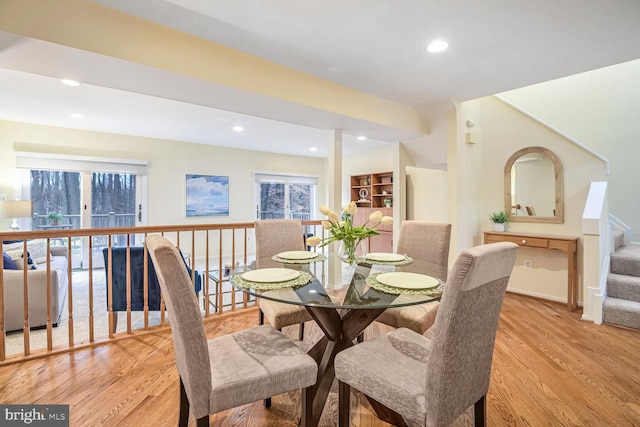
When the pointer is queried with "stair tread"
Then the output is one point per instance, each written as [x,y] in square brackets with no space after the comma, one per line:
[631,250]
[625,278]
[623,304]
[621,312]
[626,260]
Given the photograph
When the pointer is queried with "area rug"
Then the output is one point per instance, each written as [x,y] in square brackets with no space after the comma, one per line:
[80,299]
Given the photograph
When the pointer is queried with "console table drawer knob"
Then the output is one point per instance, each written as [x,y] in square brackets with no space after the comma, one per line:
[524,242]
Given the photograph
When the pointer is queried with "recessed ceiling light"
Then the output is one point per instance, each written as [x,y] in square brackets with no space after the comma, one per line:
[238,128]
[437,46]
[362,138]
[313,149]
[77,116]
[70,82]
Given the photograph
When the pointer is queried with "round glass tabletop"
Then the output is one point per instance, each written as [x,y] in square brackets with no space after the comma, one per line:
[326,281]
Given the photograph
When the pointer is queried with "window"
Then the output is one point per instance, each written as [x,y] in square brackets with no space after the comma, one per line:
[85,192]
[285,196]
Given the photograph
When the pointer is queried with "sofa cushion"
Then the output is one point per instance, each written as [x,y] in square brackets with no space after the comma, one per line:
[36,247]
[7,262]
[18,258]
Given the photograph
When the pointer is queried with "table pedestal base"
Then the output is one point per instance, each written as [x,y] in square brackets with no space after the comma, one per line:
[340,331]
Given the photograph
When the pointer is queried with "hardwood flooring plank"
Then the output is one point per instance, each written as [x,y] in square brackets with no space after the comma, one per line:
[550,368]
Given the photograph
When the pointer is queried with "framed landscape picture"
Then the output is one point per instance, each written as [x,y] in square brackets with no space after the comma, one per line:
[207,195]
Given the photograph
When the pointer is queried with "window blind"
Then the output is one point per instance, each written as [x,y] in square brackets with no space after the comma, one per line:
[64,162]
[281,178]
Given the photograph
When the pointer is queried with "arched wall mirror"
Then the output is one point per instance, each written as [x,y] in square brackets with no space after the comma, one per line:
[534,186]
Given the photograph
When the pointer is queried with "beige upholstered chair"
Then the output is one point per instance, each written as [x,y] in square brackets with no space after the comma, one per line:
[425,241]
[432,382]
[272,237]
[227,371]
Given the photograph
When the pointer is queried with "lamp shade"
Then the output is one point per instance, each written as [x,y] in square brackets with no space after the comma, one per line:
[16,208]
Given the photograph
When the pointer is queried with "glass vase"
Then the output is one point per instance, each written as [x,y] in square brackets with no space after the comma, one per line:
[352,251]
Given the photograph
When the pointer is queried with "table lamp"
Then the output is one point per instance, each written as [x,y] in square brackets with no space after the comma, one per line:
[16,209]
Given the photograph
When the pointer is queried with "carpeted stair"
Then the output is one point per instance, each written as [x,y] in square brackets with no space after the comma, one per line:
[622,305]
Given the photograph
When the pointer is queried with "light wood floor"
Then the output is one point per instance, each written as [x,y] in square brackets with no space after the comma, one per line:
[549,369]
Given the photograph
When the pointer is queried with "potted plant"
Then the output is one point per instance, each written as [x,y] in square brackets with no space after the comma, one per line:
[499,220]
[54,217]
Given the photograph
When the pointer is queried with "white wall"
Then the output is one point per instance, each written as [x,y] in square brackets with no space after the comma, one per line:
[169,162]
[426,194]
[502,131]
[600,110]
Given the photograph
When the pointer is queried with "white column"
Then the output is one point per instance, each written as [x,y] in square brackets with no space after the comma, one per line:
[334,175]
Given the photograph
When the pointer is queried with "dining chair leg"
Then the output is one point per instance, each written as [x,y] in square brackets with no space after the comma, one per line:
[480,412]
[260,317]
[203,422]
[360,337]
[344,404]
[301,333]
[267,402]
[184,407]
[305,412]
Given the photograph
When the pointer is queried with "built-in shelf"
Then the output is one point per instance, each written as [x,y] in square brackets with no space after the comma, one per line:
[369,191]
[372,188]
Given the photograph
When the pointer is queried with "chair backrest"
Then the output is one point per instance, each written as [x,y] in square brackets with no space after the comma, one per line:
[277,235]
[187,329]
[459,364]
[426,241]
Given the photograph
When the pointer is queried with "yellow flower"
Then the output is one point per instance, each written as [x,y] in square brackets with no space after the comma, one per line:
[386,220]
[326,225]
[376,217]
[325,210]
[313,240]
[351,209]
[341,223]
[333,217]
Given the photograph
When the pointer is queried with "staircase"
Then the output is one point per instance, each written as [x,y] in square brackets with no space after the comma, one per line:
[622,305]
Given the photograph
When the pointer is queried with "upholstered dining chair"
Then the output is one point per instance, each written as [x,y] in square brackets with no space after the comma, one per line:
[425,241]
[432,382]
[272,237]
[227,371]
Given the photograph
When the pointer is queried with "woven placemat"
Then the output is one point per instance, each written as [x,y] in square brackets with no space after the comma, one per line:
[303,279]
[375,284]
[318,258]
[406,261]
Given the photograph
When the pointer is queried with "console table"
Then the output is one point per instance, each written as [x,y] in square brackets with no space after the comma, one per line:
[566,244]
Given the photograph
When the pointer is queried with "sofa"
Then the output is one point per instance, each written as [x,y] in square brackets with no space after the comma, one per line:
[37,282]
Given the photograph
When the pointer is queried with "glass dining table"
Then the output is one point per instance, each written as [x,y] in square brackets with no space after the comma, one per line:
[341,299]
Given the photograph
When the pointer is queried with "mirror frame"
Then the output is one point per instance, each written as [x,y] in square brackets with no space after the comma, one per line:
[559,181]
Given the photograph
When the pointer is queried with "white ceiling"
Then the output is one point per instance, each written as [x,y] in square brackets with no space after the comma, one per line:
[376,46]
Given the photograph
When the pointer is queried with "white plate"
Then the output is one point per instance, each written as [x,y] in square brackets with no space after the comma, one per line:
[385,256]
[297,255]
[270,275]
[405,280]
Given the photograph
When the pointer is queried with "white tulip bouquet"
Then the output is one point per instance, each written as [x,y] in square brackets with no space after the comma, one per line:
[344,230]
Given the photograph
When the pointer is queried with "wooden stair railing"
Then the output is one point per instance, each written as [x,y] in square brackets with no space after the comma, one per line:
[209,247]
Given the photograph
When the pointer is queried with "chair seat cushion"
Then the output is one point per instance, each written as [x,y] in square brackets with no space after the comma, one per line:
[280,314]
[418,318]
[255,364]
[400,387]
